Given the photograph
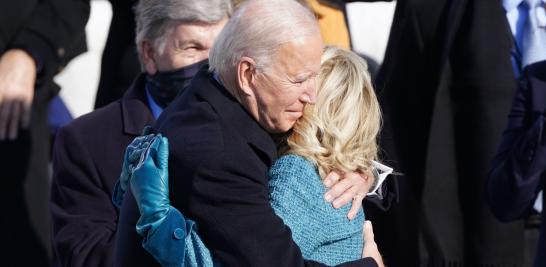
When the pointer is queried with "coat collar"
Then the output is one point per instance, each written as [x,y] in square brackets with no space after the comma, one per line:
[228,108]
[134,108]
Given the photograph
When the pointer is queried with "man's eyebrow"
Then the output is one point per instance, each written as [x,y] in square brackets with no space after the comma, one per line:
[189,42]
[304,76]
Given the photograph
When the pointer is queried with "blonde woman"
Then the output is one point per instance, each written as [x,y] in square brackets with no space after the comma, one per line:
[338,133]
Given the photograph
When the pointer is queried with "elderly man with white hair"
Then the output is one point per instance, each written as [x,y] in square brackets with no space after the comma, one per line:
[261,76]
[173,39]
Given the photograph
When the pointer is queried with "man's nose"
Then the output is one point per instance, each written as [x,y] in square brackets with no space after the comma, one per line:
[310,94]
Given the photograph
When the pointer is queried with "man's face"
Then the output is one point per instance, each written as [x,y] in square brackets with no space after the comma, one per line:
[282,90]
[186,44]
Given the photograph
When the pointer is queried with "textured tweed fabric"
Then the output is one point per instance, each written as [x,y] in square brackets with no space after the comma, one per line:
[324,234]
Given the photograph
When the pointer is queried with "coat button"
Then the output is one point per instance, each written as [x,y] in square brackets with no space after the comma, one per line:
[179,233]
[60,52]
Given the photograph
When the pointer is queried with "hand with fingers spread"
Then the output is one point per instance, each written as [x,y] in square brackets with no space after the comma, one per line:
[370,247]
[348,187]
[17,79]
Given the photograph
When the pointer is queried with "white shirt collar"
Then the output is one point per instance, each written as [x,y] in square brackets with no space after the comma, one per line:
[509,5]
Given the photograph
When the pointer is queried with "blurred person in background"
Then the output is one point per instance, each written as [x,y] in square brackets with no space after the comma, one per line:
[173,39]
[517,175]
[37,38]
[444,85]
[334,26]
[120,63]
[518,169]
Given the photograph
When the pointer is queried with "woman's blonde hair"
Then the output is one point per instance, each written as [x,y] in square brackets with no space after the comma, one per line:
[340,131]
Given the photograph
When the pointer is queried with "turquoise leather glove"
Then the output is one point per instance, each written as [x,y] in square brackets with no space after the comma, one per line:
[132,155]
[150,185]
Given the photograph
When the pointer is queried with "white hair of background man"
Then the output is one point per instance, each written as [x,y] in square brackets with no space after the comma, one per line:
[256,30]
[155,18]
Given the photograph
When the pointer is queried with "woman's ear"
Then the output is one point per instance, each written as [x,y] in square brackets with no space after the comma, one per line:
[246,70]
[148,56]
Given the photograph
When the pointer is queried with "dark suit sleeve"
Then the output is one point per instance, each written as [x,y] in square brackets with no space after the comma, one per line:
[515,177]
[236,220]
[51,32]
[84,218]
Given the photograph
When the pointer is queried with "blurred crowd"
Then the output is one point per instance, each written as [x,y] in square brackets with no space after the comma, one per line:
[462,89]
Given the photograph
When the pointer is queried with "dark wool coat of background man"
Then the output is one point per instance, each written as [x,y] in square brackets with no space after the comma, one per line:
[445,86]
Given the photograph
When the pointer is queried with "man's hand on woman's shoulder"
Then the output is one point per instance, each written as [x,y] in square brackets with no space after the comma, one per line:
[348,187]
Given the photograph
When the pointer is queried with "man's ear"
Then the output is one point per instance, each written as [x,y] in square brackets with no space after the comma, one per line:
[147,53]
[246,70]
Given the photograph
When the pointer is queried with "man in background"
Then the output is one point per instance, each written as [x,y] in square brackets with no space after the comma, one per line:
[37,38]
[173,39]
[445,86]
[515,178]
[119,62]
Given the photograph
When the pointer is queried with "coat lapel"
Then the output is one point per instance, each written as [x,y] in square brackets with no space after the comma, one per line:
[134,108]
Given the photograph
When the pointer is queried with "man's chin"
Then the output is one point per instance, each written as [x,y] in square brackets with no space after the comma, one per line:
[280,128]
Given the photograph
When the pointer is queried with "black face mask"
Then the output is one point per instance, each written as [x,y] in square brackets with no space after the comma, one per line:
[164,86]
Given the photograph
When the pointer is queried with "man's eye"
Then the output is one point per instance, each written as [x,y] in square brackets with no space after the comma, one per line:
[299,82]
